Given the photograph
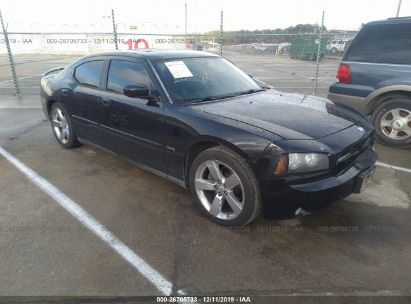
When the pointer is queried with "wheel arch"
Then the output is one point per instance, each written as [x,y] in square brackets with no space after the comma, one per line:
[49,104]
[380,96]
[204,143]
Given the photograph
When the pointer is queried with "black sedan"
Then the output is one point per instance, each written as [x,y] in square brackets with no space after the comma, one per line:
[199,121]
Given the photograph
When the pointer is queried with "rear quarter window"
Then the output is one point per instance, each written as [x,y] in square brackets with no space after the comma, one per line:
[89,73]
[385,43]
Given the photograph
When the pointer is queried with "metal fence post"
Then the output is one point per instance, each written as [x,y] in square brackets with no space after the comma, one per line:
[320,34]
[185,25]
[114,29]
[221,34]
[11,61]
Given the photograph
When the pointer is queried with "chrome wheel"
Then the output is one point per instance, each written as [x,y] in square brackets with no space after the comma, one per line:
[219,189]
[396,124]
[60,126]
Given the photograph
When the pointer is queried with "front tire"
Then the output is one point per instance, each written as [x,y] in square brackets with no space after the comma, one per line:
[392,123]
[224,187]
[62,126]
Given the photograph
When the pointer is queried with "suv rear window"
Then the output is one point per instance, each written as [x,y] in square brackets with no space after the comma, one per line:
[388,43]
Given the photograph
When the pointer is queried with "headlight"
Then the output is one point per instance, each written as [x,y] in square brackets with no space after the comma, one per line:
[307,162]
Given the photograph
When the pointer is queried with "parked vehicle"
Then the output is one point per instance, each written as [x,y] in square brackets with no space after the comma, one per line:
[199,121]
[336,46]
[283,48]
[374,77]
[195,45]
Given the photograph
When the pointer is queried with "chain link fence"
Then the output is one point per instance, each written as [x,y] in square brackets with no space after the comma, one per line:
[303,61]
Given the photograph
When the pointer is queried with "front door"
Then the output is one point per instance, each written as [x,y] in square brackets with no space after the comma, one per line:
[133,127]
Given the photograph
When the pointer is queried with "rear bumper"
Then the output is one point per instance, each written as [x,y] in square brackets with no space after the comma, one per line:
[356,102]
[353,95]
[282,200]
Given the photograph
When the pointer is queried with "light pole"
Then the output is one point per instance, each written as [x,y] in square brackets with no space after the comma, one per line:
[399,7]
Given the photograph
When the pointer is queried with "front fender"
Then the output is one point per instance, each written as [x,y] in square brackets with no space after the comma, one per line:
[184,129]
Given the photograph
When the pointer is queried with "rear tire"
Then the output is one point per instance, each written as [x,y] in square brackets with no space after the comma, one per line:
[392,123]
[224,187]
[62,127]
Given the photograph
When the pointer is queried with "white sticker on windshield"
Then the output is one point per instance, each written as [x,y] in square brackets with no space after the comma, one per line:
[178,69]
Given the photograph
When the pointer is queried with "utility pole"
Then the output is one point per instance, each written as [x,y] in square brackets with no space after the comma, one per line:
[399,7]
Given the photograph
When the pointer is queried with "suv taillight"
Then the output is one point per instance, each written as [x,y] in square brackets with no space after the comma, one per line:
[344,73]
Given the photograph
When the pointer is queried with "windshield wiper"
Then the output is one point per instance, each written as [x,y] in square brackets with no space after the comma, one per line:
[210,98]
[250,92]
[218,97]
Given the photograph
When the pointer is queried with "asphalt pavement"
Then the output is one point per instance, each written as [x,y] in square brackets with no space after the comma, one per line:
[358,246]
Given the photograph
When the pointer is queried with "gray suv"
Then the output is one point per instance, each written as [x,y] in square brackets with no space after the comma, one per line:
[374,77]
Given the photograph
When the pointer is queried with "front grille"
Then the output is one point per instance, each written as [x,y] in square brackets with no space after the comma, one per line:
[349,155]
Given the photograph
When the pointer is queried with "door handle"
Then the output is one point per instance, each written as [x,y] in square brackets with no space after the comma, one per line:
[105,102]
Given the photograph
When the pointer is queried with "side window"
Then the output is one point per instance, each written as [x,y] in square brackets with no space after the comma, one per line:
[388,43]
[122,73]
[89,73]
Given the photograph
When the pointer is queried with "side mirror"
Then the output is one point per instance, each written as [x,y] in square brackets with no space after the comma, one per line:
[137,91]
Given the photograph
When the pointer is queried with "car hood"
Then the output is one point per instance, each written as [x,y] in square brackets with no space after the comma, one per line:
[290,116]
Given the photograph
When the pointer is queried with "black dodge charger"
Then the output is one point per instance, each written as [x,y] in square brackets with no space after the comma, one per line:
[241,147]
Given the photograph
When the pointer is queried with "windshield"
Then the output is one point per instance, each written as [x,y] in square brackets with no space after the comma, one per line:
[203,78]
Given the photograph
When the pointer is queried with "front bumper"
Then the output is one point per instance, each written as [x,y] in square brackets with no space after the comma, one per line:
[282,199]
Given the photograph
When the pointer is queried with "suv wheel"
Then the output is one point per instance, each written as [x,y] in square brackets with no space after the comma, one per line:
[224,187]
[392,122]
[62,127]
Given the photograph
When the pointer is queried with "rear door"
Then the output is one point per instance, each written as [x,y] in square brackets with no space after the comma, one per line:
[80,97]
[132,127]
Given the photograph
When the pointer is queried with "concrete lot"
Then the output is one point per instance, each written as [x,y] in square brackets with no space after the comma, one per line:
[28,69]
[287,74]
[358,246]
[280,71]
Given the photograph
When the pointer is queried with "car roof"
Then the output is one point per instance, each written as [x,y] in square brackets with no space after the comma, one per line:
[157,54]
[398,20]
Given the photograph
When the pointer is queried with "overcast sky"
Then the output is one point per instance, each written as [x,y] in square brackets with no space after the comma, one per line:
[204,15]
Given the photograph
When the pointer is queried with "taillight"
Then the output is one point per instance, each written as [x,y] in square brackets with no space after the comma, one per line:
[344,73]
